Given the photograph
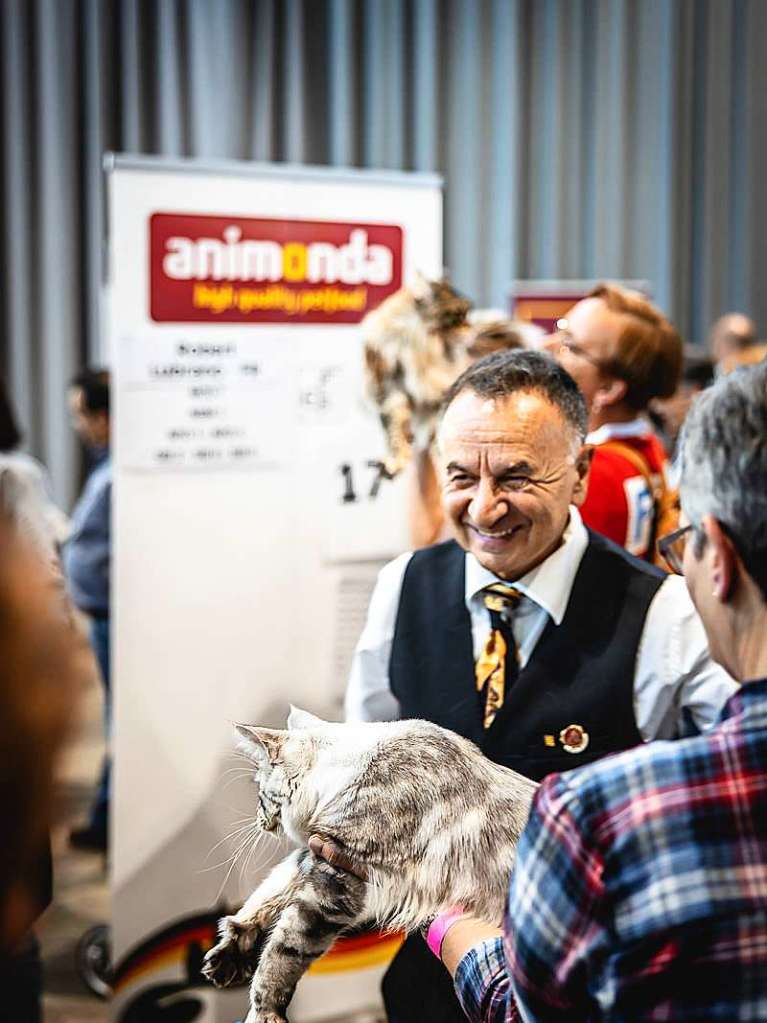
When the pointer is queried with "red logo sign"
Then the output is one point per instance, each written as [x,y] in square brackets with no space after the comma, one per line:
[207,269]
[544,310]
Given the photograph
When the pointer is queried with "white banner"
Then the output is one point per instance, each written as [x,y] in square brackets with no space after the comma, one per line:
[245,539]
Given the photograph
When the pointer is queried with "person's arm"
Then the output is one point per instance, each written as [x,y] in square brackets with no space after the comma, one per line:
[560,925]
[473,952]
[470,949]
[556,930]
[675,675]
[368,696]
[427,519]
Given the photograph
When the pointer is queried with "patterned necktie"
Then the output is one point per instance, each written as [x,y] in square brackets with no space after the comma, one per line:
[498,664]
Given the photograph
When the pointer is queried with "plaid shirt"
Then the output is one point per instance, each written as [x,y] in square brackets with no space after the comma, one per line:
[640,890]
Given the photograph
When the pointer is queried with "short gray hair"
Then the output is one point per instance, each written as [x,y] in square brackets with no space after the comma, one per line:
[724,462]
[509,372]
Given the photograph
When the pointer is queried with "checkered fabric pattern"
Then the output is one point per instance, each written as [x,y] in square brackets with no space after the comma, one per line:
[640,890]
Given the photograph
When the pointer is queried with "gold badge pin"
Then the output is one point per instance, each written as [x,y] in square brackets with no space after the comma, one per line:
[574,738]
[549,740]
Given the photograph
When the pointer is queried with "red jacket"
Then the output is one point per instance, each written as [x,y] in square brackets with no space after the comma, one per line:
[619,504]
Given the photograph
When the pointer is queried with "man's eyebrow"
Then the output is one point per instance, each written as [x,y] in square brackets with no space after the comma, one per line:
[518,469]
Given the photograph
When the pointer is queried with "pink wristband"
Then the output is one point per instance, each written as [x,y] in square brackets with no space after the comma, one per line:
[439,927]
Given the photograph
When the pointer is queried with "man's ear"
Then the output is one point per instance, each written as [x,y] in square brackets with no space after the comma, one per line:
[609,393]
[582,467]
[723,559]
[298,719]
[263,745]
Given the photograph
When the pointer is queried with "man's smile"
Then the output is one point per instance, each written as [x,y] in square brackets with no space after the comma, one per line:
[490,539]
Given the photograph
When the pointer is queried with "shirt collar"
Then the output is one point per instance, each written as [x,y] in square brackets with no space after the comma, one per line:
[750,700]
[548,584]
[636,428]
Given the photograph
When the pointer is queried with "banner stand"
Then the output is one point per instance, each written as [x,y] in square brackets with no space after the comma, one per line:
[245,542]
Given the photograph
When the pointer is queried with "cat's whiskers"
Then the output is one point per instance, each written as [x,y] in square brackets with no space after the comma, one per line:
[241,826]
[235,857]
[233,775]
[240,770]
[258,845]
[249,837]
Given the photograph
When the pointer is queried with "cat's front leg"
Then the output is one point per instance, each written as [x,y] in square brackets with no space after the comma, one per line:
[241,936]
[396,416]
[329,902]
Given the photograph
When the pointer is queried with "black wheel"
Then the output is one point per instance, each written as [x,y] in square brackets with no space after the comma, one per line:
[93,959]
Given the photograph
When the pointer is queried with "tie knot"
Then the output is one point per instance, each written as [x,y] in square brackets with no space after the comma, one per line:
[501,598]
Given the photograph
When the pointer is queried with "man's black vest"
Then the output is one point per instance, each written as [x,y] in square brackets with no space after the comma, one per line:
[581,672]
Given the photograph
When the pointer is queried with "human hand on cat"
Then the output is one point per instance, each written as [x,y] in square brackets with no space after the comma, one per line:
[334,854]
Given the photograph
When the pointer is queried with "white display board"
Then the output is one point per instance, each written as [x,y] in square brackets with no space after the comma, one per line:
[245,539]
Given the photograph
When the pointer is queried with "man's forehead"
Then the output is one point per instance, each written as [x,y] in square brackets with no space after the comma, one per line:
[591,319]
[471,414]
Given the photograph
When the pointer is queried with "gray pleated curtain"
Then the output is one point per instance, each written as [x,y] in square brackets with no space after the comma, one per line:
[578,138]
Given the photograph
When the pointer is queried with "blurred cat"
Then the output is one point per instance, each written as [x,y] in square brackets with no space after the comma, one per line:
[415,347]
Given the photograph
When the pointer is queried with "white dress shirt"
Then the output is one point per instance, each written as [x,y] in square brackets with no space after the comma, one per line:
[673,670]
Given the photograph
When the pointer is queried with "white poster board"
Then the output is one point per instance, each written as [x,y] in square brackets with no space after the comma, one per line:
[245,542]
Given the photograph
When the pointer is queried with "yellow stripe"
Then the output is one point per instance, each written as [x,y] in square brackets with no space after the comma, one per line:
[362,959]
[171,957]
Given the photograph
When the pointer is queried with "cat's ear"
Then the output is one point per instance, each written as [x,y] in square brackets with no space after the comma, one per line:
[421,288]
[299,719]
[264,744]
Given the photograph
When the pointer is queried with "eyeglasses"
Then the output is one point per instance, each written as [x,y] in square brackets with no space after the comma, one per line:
[671,548]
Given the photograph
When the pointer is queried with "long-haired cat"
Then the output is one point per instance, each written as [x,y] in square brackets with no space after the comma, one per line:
[415,347]
[432,821]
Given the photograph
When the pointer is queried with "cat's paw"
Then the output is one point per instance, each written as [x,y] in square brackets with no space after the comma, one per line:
[393,466]
[235,958]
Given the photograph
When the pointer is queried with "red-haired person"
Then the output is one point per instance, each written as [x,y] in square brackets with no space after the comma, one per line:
[622,352]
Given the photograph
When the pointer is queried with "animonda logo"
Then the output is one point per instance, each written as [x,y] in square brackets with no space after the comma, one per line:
[237,269]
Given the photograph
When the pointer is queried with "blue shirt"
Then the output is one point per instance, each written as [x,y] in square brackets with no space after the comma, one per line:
[86,554]
[640,888]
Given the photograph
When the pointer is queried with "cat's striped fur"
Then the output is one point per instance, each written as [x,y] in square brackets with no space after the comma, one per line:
[415,347]
[433,821]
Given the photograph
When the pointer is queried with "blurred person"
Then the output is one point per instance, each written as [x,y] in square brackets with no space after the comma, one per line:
[731,333]
[541,641]
[25,491]
[487,333]
[43,666]
[623,353]
[668,414]
[733,342]
[639,886]
[750,356]
[87,561]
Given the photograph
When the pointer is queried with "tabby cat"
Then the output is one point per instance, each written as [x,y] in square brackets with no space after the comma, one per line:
[433,822]
[415,347]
